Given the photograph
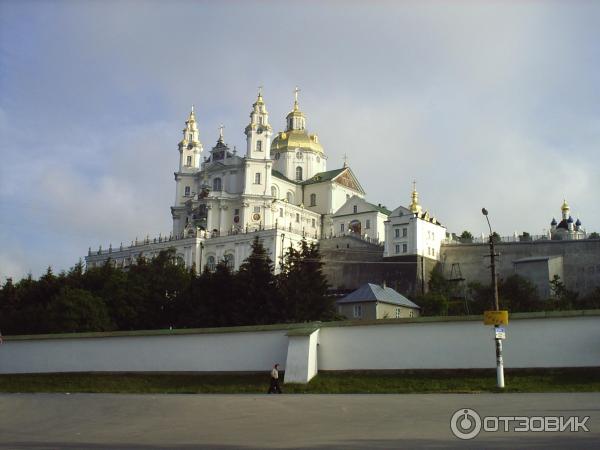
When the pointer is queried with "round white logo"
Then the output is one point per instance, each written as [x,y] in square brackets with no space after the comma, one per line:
[465,424]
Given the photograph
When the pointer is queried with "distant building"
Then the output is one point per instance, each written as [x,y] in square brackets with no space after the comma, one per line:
[371,301]
[413,232]
[567,228]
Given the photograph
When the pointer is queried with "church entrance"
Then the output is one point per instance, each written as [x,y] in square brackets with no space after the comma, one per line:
[355,227]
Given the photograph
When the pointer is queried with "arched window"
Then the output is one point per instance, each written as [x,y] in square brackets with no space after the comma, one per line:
[355,209]
[189,161]
[298,173]
[217,186]
[257,178]
[313,199]
[290,197]
[228,258]
[210,263]
[187,191]
[273,191]
[259,146]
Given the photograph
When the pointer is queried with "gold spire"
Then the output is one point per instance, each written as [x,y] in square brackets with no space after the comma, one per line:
[259,99]
[414,204]
[192,115]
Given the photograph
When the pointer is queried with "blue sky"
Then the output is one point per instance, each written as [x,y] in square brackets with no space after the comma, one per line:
[493,104]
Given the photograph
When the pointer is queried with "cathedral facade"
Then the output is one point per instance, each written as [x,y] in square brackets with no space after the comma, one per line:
[280,191]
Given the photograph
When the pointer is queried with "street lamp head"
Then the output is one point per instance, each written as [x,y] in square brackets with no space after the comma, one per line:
[484,211]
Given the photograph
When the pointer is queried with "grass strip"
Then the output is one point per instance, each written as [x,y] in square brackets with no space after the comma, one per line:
[438,381]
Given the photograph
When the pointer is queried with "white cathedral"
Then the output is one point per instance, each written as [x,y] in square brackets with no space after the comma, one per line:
[280,191]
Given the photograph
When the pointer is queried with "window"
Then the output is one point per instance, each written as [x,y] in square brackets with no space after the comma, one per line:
[257,178]
[187,191]
[368,224]
[357,311]
[412,314]
[397,232]
[314,223]
[189,161]
[298,173]
[404,232]
[259,146]
[297,218]
[280,212]
[210,263]
[313,199]
[398,310]
[355,209]
[273,191]
[397,248]
[228,259]
[217,185]
[404,248]
[236,212]
[260,119]
[257,209]
[342,227]
[290,197]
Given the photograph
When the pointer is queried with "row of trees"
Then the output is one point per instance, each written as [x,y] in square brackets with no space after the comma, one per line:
[516,294]
[160,293]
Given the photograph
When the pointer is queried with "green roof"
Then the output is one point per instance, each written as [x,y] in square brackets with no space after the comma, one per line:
[278,174]
[381,209]
[324,176]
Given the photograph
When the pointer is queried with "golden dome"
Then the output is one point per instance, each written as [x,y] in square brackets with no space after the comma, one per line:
[293,139]
[565,206]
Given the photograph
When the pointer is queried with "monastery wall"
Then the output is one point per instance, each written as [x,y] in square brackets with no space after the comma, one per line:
[580,260]
[561,339]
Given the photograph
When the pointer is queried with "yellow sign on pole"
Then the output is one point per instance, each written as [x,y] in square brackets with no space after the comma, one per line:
[495,317]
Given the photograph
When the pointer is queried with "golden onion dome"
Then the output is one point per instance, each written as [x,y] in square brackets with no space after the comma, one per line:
[293,139]
[565,206]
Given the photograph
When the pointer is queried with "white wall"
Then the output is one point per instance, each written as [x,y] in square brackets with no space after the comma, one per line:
[550,342]
[249,351]
[418,344]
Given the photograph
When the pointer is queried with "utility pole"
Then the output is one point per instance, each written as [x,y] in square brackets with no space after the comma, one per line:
[499,360]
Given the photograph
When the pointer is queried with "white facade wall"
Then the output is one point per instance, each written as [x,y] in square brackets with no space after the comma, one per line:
[422,237]
[462,344]
[227,352]
[550,342]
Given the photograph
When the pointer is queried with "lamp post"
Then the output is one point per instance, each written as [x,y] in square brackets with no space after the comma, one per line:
[499,360]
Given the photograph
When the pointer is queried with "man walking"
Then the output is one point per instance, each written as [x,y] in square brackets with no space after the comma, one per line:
[275,388]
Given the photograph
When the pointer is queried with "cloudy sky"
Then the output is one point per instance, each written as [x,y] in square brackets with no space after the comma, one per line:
[493,104]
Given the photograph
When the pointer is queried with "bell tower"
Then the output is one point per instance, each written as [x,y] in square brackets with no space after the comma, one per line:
[190,146]
[259,131]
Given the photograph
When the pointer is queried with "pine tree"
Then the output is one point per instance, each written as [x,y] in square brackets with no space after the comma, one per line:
[304,286]
[256,281]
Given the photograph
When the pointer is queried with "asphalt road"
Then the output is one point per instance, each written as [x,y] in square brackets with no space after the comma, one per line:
[111,421]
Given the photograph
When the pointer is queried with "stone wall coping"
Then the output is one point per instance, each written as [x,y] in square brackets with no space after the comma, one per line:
[301,329]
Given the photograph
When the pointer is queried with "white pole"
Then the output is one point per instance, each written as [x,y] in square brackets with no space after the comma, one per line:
[499,361]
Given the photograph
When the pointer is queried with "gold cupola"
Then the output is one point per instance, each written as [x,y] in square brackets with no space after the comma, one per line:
[296,137]
[414,204]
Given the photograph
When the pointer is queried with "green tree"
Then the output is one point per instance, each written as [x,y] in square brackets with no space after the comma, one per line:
[594,235]
[466,237]
[303,286]
[562,298]
[76,310]
[518,294]
[257,286]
